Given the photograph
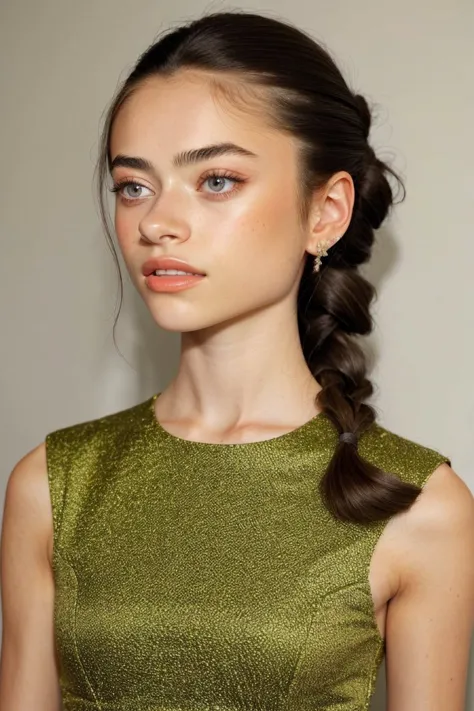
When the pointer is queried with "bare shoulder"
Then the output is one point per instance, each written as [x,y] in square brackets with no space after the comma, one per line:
[441,521]
[431,617]
[28,481]
[27,499]
[445,508]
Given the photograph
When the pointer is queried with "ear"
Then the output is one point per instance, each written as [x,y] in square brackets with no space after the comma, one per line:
[331,211]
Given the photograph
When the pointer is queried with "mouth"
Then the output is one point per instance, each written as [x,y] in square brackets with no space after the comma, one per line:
[169,266]
[173,272]
[172,280]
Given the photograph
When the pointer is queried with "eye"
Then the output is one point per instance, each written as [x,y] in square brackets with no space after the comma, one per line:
[217,180]
[134,195]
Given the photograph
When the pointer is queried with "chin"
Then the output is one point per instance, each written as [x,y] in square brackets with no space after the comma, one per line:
[180,320]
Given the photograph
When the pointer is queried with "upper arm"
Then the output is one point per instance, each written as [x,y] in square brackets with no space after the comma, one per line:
[28,671]
[430,620]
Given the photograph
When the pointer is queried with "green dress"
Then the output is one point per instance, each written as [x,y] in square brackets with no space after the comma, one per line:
[192,576]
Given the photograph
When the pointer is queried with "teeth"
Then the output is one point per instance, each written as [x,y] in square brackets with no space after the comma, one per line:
[173,272]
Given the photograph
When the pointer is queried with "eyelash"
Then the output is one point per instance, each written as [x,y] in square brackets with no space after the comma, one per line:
[120,185]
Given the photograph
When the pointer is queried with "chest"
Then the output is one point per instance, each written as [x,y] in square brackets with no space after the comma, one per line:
[214,599]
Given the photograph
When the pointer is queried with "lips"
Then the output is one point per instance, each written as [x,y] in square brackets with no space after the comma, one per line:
[151,265]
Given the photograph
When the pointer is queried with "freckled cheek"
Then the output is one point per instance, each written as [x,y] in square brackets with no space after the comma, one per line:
[270,227]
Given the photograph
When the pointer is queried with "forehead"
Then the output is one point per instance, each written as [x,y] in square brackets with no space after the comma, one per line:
[168,114]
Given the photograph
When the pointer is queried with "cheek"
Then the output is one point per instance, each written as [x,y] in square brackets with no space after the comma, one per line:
[281,209]
[126,228]
[260,252]
[271,231]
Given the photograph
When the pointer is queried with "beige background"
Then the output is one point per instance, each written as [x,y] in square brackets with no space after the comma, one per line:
[61,61]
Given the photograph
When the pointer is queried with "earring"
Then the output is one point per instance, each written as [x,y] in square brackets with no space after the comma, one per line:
[321,251]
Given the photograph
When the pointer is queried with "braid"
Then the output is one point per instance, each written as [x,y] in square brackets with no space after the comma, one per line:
[330,313]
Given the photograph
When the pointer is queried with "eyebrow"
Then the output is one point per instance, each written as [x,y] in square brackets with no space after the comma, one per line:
[185,157]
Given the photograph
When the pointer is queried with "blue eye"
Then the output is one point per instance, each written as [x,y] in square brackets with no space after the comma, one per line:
[219,181]
[121,186]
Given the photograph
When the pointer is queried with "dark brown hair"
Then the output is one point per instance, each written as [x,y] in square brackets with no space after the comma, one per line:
[307,97]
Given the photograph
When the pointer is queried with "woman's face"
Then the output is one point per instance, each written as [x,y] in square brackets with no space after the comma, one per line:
[245,236]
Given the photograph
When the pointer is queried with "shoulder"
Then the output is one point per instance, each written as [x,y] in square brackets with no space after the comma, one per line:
[439,527]
[36,486]
[74,454]
[447,498]
[433,540]
[28,474]
[77,437]
[430,619]
[440,522]
[27,510]
[406,458]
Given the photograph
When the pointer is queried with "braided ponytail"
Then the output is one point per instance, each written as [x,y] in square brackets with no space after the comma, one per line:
[302,92]
[330,314]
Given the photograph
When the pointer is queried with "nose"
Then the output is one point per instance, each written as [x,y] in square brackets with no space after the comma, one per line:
[164,220]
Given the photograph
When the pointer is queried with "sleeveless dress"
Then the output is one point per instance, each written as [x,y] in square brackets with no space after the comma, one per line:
[192,576]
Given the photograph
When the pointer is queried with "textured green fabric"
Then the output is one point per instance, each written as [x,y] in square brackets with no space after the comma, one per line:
[197,576]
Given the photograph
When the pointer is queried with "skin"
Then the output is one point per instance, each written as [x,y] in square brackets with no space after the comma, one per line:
[234,385]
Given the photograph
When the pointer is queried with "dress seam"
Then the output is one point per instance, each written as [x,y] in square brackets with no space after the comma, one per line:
[74,616]
[302,649]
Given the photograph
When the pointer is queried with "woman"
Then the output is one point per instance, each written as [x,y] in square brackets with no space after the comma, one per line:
[250,537]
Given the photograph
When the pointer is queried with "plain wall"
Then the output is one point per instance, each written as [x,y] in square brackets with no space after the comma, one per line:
[61,61]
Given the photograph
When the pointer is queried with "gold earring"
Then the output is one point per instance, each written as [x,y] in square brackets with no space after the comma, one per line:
[321,251]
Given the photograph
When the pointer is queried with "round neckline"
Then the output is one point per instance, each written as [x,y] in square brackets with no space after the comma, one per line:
[226,445]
